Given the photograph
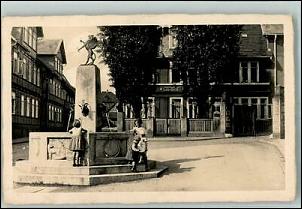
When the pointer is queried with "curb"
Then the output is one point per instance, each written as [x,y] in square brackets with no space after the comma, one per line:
[276,144]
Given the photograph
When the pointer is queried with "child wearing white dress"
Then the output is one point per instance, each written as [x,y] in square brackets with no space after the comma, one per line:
[139,146]
[78,142]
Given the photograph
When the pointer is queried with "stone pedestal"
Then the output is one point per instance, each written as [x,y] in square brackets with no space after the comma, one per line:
[88,89]
[50,161]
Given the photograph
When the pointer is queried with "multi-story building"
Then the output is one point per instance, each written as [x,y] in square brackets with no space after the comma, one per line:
[246,109]
[275,39]
[26,81]
[58,95]
[38,85]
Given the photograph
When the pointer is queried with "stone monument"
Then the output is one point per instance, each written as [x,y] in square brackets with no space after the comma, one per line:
[50,160]
[88,89]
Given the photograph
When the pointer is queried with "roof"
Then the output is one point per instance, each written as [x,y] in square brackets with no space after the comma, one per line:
[272,29]
[252,42]
[51,47]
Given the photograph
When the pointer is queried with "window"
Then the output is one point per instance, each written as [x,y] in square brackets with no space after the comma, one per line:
[30,37]
[262,108]
[28,107]
[244,72]
[22,105]
[54,87]
[29,71]
[60,112]
[25,32]
[59,91]
[55,63]
[175,76]
[49,112]
[38,76]
[216,110]
[37,109]
[35,74]
[244,101]
[13,103]
[254,73]
[24,67]
[249,72]
[176,108]
[162,76]
[192,108]
[50,85]
[20,66]
[261,104]
[33,108]
[15,63]
[34,41]
[52,113]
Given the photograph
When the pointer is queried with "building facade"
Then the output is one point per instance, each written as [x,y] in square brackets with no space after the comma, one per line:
[275,44]
[26,81]
[58,95]
[242,108]
[29,85]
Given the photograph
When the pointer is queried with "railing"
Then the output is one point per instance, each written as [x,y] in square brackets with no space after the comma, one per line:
[129,123]
[201,125]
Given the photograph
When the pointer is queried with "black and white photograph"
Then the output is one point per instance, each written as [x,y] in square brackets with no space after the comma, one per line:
[149,105]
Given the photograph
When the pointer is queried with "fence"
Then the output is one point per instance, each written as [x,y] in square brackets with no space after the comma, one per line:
[201,125]
[129,123]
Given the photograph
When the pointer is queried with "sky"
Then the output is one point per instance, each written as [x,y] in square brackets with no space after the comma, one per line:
[71,37]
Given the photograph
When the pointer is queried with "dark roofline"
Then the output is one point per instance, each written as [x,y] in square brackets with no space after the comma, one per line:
[60,45]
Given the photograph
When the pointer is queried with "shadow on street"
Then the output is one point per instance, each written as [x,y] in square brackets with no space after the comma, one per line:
[174,165]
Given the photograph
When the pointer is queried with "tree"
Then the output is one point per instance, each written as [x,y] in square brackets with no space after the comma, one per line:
[204,57]
[130,53]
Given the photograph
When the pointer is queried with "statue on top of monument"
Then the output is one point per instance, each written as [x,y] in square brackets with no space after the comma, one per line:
[90,44]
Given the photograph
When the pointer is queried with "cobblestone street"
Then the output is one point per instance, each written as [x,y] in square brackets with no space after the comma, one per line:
[207,165]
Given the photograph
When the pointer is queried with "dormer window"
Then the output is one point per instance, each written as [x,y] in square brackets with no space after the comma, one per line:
[249,72]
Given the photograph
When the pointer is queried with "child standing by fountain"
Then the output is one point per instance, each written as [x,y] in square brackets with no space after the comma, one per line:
[139,146]
[78,142]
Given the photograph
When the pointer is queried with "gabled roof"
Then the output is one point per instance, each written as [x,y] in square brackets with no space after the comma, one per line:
[272,29]
[51,47]
[252,42]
